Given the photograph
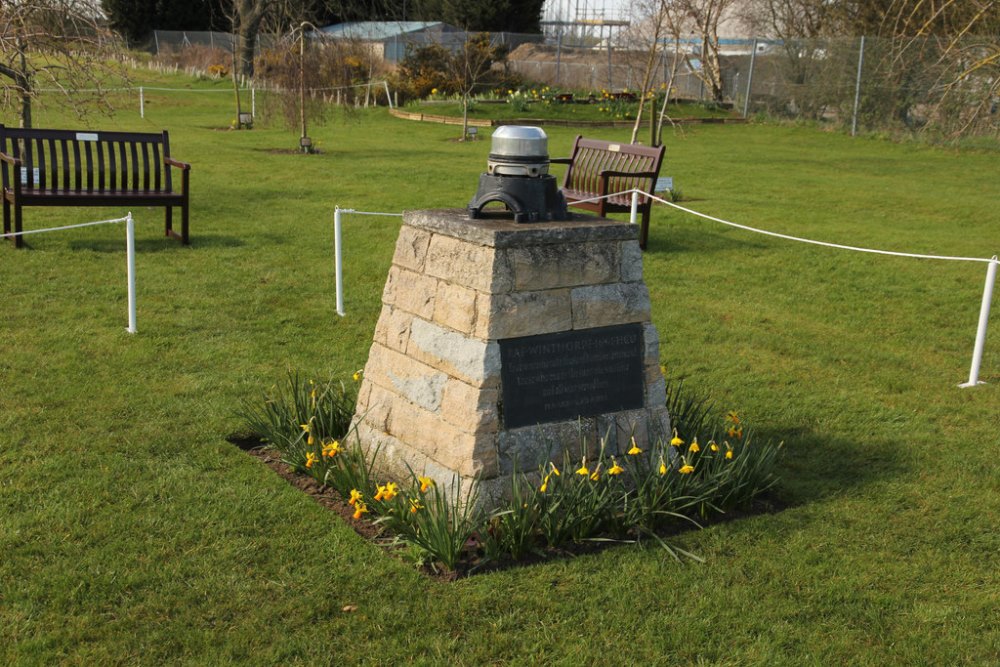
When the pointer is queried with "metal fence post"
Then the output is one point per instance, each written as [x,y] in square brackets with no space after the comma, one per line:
[753,58]
[857,88]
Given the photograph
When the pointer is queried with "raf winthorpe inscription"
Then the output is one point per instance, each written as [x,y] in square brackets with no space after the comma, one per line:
[555,377]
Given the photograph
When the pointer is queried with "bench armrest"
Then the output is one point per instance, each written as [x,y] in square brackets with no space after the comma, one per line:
[631,174]
[13,161]
[176,163]
[561,160]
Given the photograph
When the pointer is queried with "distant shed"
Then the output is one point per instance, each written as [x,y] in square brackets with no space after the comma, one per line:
[388,40]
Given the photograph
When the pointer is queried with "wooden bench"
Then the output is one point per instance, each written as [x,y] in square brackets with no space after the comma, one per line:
[70,168]
[599,168]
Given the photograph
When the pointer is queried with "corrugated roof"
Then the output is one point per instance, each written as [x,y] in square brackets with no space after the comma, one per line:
[375,31]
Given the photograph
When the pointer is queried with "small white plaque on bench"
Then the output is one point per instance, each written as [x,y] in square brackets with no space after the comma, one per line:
[664,184]
[86,136]
[24,175]
[614,148]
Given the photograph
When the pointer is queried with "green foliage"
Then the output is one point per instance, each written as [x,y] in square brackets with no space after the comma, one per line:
[299,415]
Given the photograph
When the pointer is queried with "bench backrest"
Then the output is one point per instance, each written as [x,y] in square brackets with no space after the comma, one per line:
[87,161]
[592,156]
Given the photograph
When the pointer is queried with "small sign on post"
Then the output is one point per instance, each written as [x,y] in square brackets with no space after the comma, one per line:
[664,184]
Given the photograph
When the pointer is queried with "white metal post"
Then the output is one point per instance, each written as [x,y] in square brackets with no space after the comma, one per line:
[857,87]
[388,97]
[634,213]
[253,103]
[984,318]
[142,103]
[753,58]
[130,270]
[338,261]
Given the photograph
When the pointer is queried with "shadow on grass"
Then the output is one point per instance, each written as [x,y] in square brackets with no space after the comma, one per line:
[159,245]
[815,466]
[702,241]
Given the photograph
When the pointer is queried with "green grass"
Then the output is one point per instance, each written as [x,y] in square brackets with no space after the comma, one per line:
[131,532]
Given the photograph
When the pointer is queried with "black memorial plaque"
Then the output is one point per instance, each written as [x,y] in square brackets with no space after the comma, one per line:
[560,376]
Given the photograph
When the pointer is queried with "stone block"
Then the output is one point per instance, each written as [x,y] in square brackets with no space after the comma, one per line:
[631,258]
[607,305]
[478,267]
[544,267]
[455,307]
[532,446]
[656,392]
[651,338]
[413,380]
[475,362]
[524,314]
[469,408]
[410,291]
[393,328]
[411,248]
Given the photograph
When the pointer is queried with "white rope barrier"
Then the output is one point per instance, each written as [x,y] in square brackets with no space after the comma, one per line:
[991,269]
[129,254]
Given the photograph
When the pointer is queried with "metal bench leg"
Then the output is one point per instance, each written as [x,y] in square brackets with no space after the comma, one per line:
[184,226]
[6,216]
[18,240]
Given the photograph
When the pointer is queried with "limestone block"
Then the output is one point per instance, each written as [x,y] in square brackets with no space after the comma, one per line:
[607,305]
[651,337]
[455,307]
[411,248]
[473,361]
[656,391]
[410,291]
[631,257]
[469,408]
[524,314]
[393,328]
[415,381]
[551,266]
[468,455]
[532,446]
[478,267]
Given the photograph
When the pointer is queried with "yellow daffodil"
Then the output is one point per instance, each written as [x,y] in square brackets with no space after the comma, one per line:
[311,459]
[360,509]
[694,448]
[615,469]
[425,483]
[306,427]
[582,470]
[714,447]
[545,484]
[676,440]
[729,454]
[735,432]
[686,469]
[391,491]
[357,375]
[310,440]
[331,449]
[663,466]
[635,448]
[555,470]
[355,497]
[379,492]
[434,91]
[731,416]
[596,475]
[415,505]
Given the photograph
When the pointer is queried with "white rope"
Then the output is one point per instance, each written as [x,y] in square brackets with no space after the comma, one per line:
[353,212]
[59,229]
[788,237]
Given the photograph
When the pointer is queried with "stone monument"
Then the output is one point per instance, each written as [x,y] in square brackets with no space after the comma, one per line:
[503,342]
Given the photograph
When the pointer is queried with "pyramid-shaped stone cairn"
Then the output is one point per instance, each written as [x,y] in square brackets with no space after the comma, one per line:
[502,344]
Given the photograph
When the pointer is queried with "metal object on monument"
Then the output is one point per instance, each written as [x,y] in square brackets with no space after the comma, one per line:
[517,176]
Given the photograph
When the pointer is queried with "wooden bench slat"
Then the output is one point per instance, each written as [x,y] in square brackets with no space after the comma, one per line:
[597,167]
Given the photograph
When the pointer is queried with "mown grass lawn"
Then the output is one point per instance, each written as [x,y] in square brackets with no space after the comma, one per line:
[131,532]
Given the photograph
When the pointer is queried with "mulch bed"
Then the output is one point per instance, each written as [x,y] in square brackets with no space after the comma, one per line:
[330,499]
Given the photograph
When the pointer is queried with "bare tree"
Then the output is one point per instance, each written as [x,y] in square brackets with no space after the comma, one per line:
[470,65]
[58,45]
[706,16]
